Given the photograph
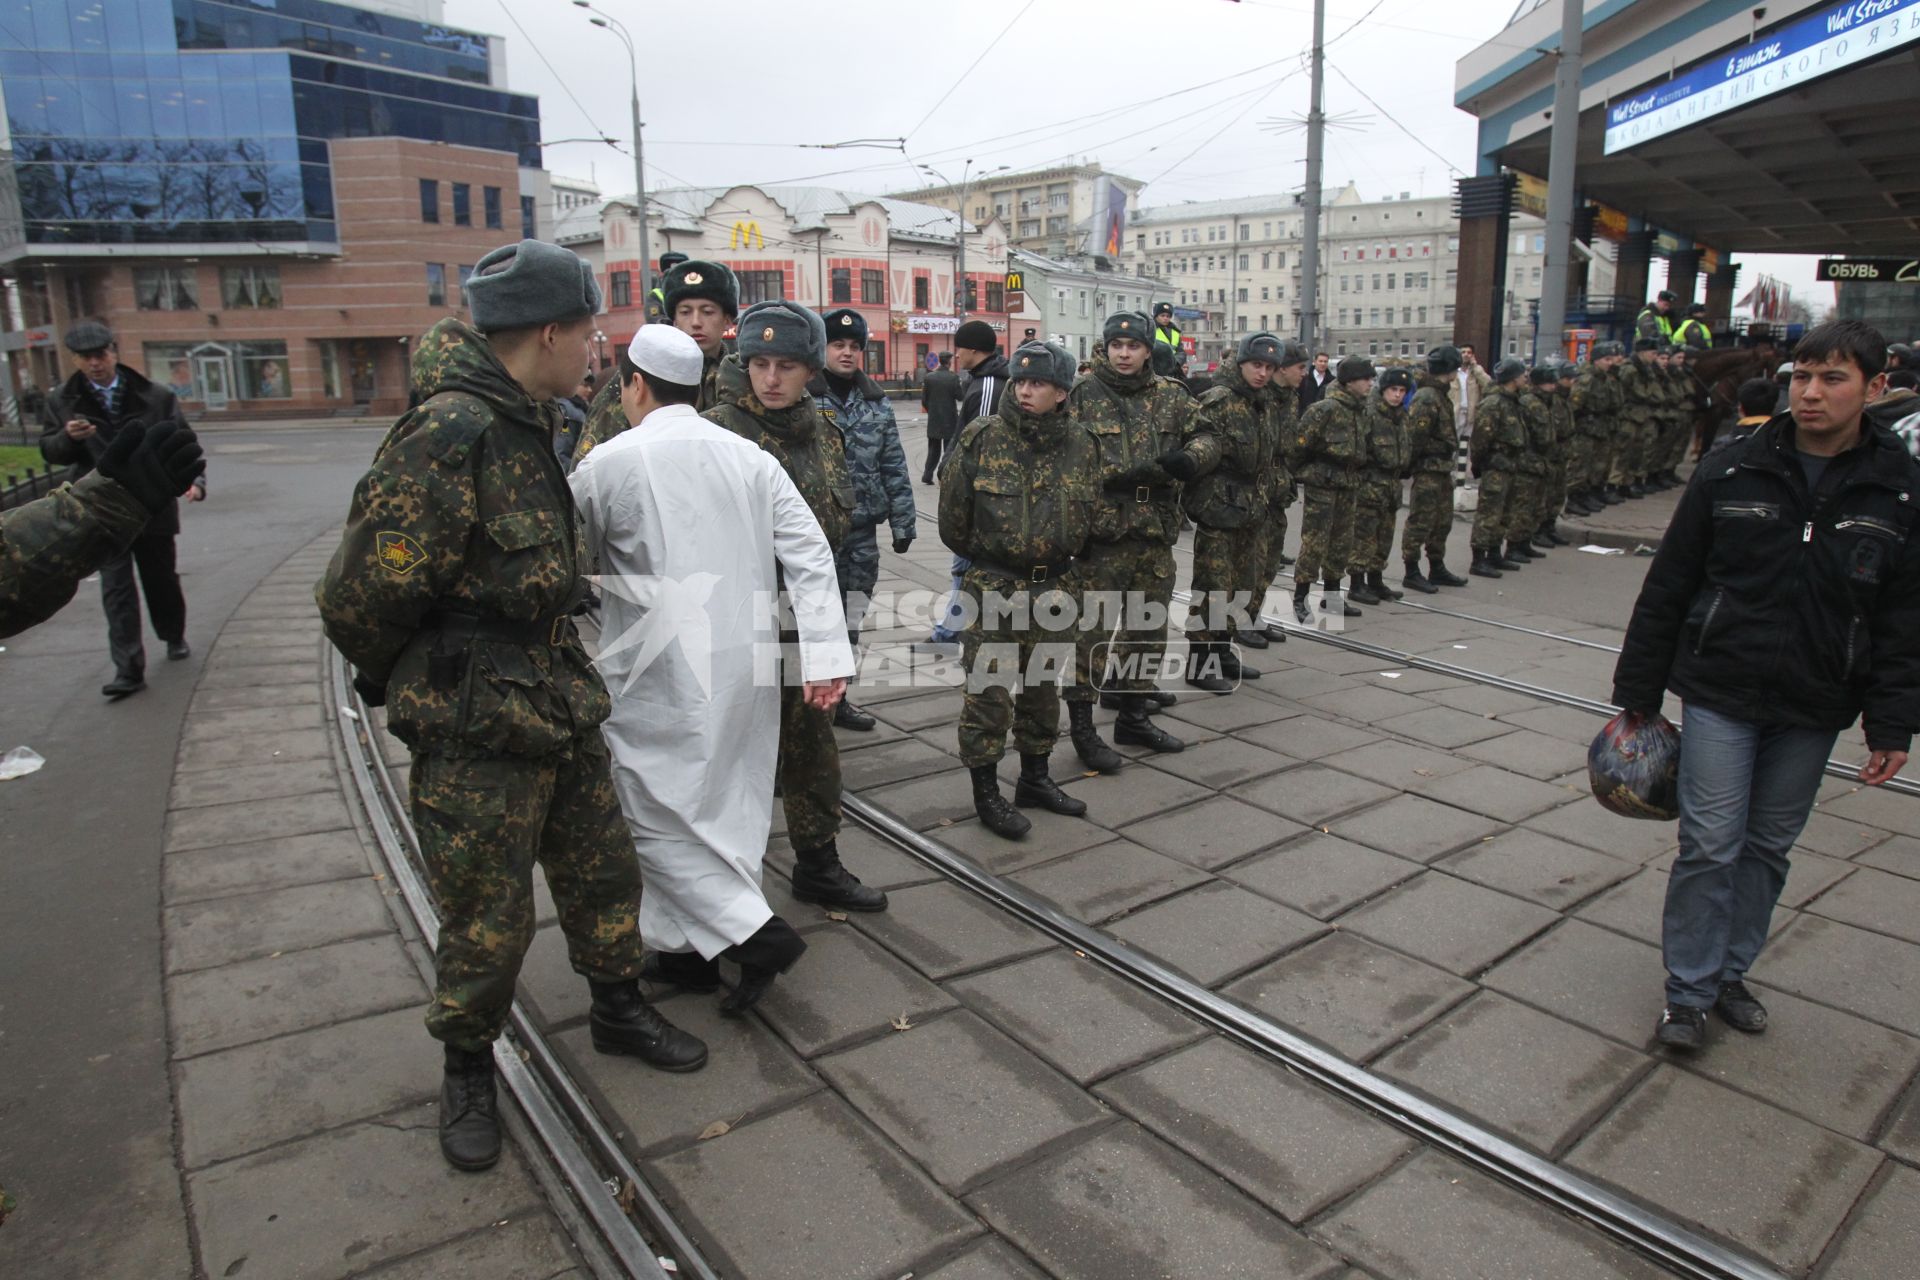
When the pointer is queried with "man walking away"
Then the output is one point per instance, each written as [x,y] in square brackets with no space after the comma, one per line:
[940,397]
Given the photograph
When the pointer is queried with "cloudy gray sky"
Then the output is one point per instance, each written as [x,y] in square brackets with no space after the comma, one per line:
[1188,95]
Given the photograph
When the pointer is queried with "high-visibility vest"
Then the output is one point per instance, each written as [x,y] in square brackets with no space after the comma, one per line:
[1688,327]
[1162,335]
[1666,325]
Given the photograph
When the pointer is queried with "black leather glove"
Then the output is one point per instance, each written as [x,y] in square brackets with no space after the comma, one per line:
[374,695]
[154,464]
[1178,464]
[900,545]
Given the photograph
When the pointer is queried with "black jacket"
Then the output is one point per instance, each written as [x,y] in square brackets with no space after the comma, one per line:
[940,397]
[141,401]
[1311,392]
[985,385]
[1779,606]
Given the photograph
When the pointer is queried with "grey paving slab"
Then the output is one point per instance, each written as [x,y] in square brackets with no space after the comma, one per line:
[1538,868]
[1535,1078]
[1482,700]
[1289,1145]
[298,672]
[749,1073]
[1873,899]
[1125,1206]
[1052,836]
[1584,822]
[1444,727]
[810,1191]
[992,1259]
[1309,737]
[961,1099]
[852,741]
[244,822]
[1222,762]
[1461,927]
[924,803]
[1865,973]
[1870,806]
[1771,1183]
[1350,994]
[1590,976]
[1810,875]
[1882,1238]
[1369,704]
[1327,658]
[254,999]
[249,697]
[1435,1219]
[1312,794]
[1212,833]
[1099,883]
[514,1249]
[893,762]
[1837,837]
[1321,875]
[1633,906]
[1396,764]
[200,935]
[251,1097]
[1901,1133]
[1079,1017]
[254,783]
[227,869]
[940,707]
[1304,682]
[255,747]
[348,1200]
[1564,723]
[1236,714]
[1496,793]
[1900,855]
[1534,754]
[876,862]
[554,993]
[846,988]
[1215,931]
[942,929]
[1415,827]
[1113,800]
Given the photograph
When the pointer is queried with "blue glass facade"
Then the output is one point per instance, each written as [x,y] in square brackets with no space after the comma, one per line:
[205,121]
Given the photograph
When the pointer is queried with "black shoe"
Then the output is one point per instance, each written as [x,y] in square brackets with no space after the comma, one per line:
[1205,671]
[763,957]
[1087,744]
[1330,602]
[1377,583]
[1362,591]
[1551,536]
[1302,611]
[1682,1027]
[177,650]
[1037,790]
[469,1111]
[1739,1010]
[848,716]
[1286,561]
[1637,490]
[1441,576]
[1528,549]
[1275,632]
[123,686]
[1134,729]
[1613,495]
[1230,665]
[621,1021]
[996,815]
[1484,566]
[1414,580]
[682,969]
[1164,697]
[819,878]
[1251,639]
[1520,553]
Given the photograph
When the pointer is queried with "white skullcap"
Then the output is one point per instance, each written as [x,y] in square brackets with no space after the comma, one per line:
[667,354]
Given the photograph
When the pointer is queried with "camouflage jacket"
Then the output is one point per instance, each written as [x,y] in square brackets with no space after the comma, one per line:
[1133,419]
[809,448]
[50,544]
[1597,402]
[1560,408]
[606,419]
[1499,441]
[1286,424]
[1431,438]
[1542,448]
[1019,492]
[1389,447]
[1640,394]
[882,489]
[1232,436]
[1329,449]
[465,516]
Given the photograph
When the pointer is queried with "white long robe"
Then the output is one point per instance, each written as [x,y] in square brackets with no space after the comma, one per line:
[688,520]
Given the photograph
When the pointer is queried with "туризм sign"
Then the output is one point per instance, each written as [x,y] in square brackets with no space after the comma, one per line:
[1832,39]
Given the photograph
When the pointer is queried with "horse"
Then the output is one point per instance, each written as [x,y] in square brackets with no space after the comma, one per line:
[1719,374]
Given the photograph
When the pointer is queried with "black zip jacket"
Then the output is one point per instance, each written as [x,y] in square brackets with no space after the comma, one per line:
[985,385]
[1779,606]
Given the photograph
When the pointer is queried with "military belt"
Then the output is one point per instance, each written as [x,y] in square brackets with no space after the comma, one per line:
[1032,573]
[1149,493]
[555,630]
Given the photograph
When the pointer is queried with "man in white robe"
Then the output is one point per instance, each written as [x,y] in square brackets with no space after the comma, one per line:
[689,522]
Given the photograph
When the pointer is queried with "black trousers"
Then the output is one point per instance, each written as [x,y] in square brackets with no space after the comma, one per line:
[152,555]
[934,446]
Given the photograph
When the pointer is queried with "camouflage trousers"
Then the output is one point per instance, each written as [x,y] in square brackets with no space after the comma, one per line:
[1005,648]
[857,563]
[1600,468]
[1376,506]
[1125,589]
[1490,516]
[1276,549]
[1635,442]
[482,823]
[1523,505]
[809,770]
[1555,496]
[1429,516]
[1226,564]
[1678,443]
[1326,535]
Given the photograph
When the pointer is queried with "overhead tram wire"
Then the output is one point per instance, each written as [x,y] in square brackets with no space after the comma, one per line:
[955,87]
[565,87]
[1451,166]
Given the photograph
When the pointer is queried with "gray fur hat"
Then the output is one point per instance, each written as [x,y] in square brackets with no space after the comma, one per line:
[1292,352]
[1131,326]
[783,329]
[1353,369]
[519,286]
[1259,346]
[1043,362]
[88,335]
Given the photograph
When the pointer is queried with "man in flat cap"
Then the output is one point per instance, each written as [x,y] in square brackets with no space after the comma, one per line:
[80,420]
[452,595]
[685,629]
[783,346]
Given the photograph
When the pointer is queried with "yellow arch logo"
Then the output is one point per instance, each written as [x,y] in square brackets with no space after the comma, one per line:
[746,235]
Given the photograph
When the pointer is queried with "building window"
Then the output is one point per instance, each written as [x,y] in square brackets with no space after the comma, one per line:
[1060,301]
[1343,316]
[1266,291]
[255,287]
[1029,226]
[490,201]
[1453,279]
[973,295]
[921,285]
[620,289]
[166,289]
[877,359]
[996,293]
[462,205]
[1373,316]
[429,200]
[1209,234]
[1263,320]
[263,370]
[1083,304]
[762,286]
[1246,231]
[1341,349]
[463,273]
[840,284]
[1421,312]
[1453,244]
[1243,296]
[1373,346]
[529,218]
[873,288]
[1446,314]
[1406,315]
[436,284]
[1390,276]
[1266,231]
[1243,260]
[1533,277]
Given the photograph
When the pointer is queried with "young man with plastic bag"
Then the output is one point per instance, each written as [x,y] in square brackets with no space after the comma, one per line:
[1783,603]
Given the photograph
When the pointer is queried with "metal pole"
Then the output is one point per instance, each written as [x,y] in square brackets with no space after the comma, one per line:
[960,238]
[1316,140]
[1565,141]
[640,191]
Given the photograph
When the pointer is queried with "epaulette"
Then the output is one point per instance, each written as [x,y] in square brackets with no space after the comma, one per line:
[454,420]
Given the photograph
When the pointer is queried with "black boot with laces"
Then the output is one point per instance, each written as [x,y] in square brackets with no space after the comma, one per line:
[469,1111]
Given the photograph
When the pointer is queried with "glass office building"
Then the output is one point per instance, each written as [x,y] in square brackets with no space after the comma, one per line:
[205,122]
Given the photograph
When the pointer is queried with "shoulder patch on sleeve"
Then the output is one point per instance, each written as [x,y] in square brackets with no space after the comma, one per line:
[397,552]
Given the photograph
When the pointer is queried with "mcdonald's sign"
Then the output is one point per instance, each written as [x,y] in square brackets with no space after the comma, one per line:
[746,235]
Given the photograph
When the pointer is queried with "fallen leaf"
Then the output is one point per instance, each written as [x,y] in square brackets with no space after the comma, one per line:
[901,1023]
[628,1199]
[840,916]
[715,1130]
[1425,773]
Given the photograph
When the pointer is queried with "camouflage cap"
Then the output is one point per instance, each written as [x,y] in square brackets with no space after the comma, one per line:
[520,286]
[1043,362]
[783,330]
[1127,326]
[88,335]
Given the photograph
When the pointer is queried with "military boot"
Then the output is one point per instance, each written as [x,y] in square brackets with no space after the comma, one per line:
[1484,566]
[1164,697]
[1362,591]
[1440,576]
[1113,702]
[1330,601]
[764,956]
[1136,730]
[1377,583]
[819,878]
[469,1111]
[1204,668]
[621,1021]
[1302,611]
[1093,753]
[1251,638]
[1508,560]
[1037,790]
[1276,633]
[996,815]
[1613,495]
[1519,550]
[1550,535]
[1414,580]
[848,716]
[1230,665]
[682,969]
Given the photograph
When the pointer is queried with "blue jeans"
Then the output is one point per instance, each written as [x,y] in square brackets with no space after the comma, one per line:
[947,630]
[1745,792]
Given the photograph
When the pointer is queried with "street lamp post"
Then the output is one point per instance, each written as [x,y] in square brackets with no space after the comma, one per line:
[613,24]
[959,229]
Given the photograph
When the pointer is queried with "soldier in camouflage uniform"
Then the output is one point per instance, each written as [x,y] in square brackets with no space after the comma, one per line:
[1328,454]
[1432,442]
[1535,467]
[1376,506]
[782,347]
[1640,405]
[1231,439]
[1559,402]
[451,594]
[1596,415]
[1138,422]
[51,543]
[1687,394]
[1498,448]
[1017,502]
[1285,389]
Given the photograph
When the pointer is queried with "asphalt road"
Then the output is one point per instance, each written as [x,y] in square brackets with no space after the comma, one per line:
[86,1129]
